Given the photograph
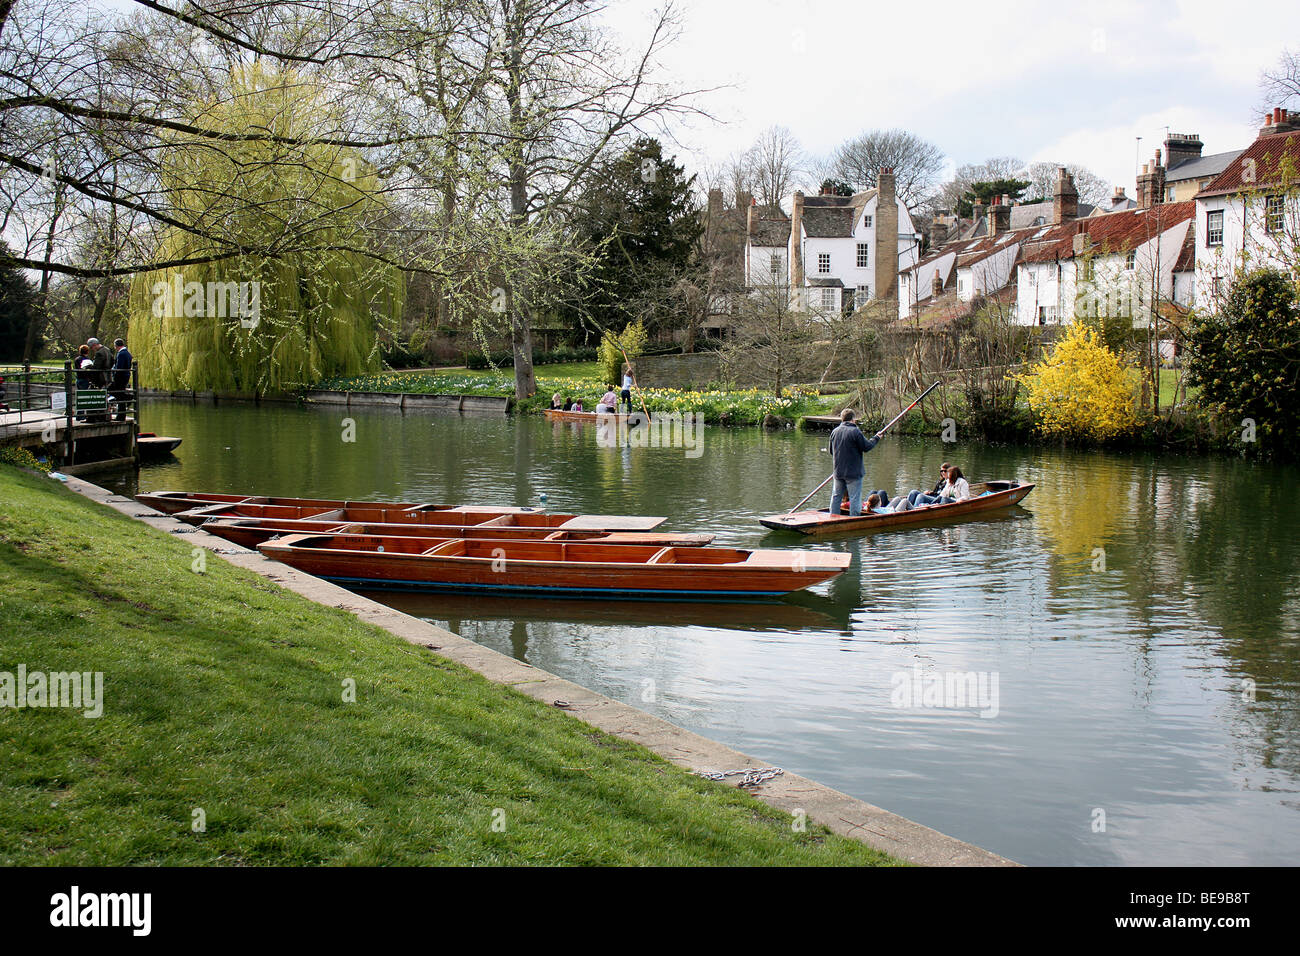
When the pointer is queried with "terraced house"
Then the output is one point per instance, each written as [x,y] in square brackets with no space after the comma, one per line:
[1249,215]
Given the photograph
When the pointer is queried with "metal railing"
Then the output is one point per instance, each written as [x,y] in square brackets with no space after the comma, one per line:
[42,393]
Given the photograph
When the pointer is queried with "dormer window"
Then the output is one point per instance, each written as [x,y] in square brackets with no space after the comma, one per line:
[1130,260]
[866,221]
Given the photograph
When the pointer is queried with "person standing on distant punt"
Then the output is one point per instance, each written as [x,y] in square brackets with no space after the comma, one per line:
[847,446]
[626,394]
[121,377]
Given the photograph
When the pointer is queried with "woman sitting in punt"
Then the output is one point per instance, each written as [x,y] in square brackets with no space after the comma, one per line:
[955,488]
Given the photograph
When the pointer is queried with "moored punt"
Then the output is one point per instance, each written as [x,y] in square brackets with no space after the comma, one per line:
[995,494]
[431,516]
[155,446]
[173,502]
[250,532]
[559,568]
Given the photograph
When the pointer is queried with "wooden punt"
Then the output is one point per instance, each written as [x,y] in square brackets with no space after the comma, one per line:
[425,516]
[250,532]
[173,502]
[603,418]
[560,568]
[1000,494]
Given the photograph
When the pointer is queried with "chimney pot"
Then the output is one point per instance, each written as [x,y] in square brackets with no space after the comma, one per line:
[1277,115]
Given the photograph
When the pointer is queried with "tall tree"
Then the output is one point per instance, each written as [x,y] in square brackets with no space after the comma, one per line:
[775,162]
[916,163]
[639,212]
[565,93]
[254,323]
[993,168]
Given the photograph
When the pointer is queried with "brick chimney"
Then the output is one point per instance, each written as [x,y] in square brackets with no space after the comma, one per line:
[936,285]
[1000,215]
[1065,199]
[1279,121]
[938,232]
[796,242]
[1180,147]
[1151,184]
[886,282]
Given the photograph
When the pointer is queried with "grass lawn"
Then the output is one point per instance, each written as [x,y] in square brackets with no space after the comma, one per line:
[224,693]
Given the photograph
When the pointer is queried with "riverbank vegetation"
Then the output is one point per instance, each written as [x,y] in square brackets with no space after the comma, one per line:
[226,736]
[716,405]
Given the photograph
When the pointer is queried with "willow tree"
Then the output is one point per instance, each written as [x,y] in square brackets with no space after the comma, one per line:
[308,303]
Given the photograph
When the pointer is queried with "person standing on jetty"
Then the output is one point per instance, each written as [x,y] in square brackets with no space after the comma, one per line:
[121,384]
[847,446]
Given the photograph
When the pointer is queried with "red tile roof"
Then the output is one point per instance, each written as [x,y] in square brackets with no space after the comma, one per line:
[1111,233]
[1272,160]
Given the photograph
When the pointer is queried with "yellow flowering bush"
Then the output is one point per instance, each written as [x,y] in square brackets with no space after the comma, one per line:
[1082,390]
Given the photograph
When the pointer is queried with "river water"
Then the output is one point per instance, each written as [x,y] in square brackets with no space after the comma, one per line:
[1131,630]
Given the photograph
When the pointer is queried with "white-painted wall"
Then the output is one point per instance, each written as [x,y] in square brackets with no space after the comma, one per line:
[1246,242]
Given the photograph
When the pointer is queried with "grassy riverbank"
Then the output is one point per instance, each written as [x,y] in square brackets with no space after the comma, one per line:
[224,694]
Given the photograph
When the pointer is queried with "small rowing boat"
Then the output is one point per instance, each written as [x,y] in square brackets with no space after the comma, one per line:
[989,496]
[250,532]
[559,568]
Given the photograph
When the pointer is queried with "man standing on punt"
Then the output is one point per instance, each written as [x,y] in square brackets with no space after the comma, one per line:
[848,445]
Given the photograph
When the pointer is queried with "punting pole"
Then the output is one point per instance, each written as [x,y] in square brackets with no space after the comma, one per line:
[877,435]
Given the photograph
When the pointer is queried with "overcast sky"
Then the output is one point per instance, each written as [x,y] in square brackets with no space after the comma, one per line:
[1066,82]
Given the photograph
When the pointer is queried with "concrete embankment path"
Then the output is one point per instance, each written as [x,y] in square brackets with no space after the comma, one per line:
[789,792]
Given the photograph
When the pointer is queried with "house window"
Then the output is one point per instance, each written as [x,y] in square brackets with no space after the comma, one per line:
[1216,286]
[866,222]
[1274,214]
[861,295]
[1083,271]
[824,262]
[1042,315]
[1214,228]
[863,258]
[828,298]
[1130,260]
[775,265]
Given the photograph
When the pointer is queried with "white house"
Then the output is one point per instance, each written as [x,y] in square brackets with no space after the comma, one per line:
[1249,215]
[837,252]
